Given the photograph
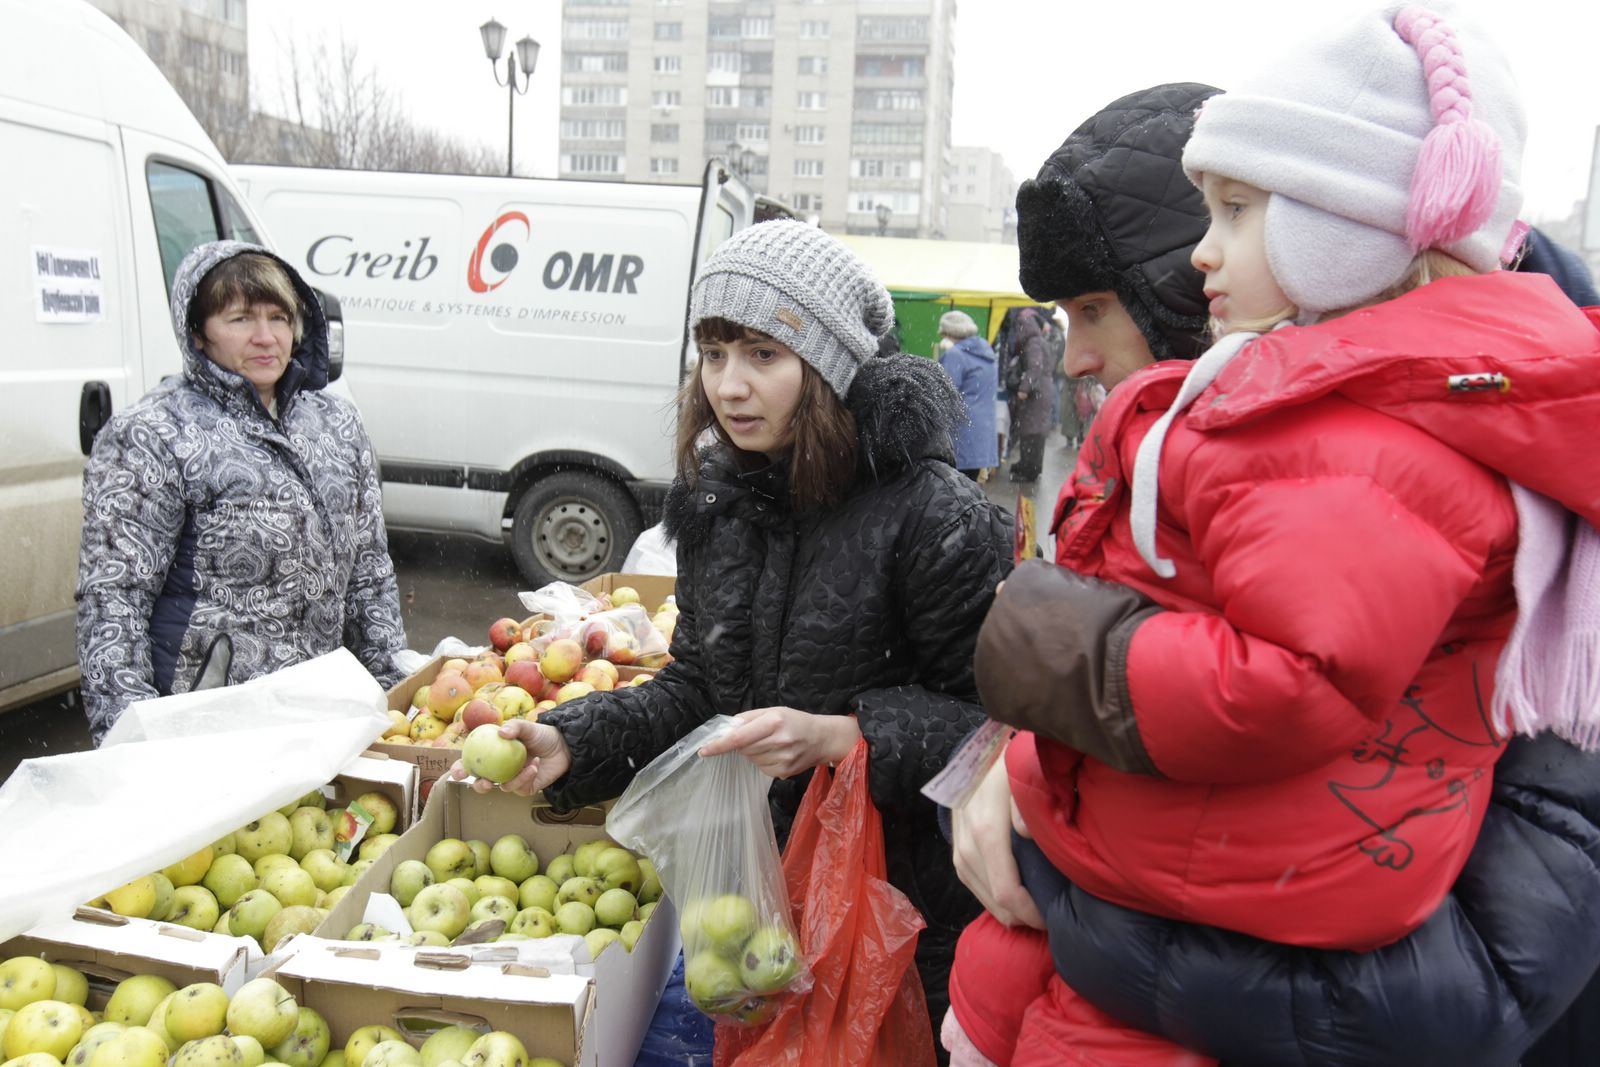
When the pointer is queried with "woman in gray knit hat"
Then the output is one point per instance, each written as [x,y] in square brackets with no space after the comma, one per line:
[833,567]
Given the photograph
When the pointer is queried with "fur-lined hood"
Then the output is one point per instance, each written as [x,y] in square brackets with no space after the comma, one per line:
[905,409]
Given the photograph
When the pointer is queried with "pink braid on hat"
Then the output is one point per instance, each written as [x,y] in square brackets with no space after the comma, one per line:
[1456,184]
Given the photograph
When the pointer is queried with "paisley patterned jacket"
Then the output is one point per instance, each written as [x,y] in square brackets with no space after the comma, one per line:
[204,514]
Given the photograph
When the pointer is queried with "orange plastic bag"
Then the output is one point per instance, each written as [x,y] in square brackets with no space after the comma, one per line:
[859,934]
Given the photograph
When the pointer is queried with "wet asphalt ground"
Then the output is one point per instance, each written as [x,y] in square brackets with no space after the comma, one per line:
[454,587]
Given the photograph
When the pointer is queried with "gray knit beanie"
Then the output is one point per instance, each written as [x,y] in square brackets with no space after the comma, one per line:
[957,325]
[799,286]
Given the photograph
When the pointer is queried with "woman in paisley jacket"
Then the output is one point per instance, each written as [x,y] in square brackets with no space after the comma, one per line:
[237,498]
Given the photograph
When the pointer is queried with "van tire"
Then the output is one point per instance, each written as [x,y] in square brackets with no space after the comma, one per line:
[571,526]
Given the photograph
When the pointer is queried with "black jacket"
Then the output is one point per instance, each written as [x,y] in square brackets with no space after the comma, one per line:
[871,609]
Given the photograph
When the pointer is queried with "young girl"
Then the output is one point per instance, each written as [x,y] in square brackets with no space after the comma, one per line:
[1271,697]
[833,567]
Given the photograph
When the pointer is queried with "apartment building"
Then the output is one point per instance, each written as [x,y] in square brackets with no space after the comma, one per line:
[981,196]
[203,43]
[839,108]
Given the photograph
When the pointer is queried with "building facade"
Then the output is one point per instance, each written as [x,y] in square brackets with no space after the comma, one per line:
[838,108]
[206,41]
[982,197]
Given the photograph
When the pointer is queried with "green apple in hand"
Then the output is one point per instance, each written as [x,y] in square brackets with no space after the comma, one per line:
[486,754]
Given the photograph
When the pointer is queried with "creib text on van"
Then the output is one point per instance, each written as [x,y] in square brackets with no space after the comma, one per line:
[587,272]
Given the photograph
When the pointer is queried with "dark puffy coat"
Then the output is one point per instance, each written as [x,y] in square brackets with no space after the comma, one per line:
[870,609]
[1035,413]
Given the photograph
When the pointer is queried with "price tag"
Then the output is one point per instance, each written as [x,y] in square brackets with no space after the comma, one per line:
[954,786]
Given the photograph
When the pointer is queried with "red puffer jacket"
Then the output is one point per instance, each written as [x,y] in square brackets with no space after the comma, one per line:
[1292,737]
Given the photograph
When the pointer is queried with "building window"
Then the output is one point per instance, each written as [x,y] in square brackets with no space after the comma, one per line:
[722,96]
[809,134]
[669,31]
[972,190]
[808,168]
[891,28]
[592,163]
[900,203]
[664,132]
[156,45]
[593,129]
[723,62]
[233,12]
[758,98]
[755,63]
[595,29]
[753,132]
[756,28]
[663,164]
[888,100]
[811,101]
[813,64]
[232,62]
[595,95]
[723,27]
[889,66]
[196,53]
[808,201]
[595,62]
[814,29]
[667,99]
[885,133]
[668,64]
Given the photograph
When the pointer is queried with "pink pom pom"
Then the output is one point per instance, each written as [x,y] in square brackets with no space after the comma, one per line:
[1456,183]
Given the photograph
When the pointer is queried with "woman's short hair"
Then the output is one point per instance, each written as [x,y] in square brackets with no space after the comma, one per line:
[957,325]
[823,429]
[249,278]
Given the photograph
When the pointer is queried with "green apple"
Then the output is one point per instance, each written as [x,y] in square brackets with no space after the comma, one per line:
[647,910]
[510,857]
[222,926]
[597,940]
[195,906]
[334,896]
[254,1055]
[135,998]
[33,1059]
[616,868]
[72,987]
[427,938]
[364,1038]
[353,872]
[251,913]
[712,982]
[469,888]
[689,926]
[545,1061]
[442,908]
[84,1050]
[271,862]
[770,960]
[630,933]
[137,1046]
[480,858]
[230,878]
[579,888]
[560,868]
[295,919]
[325,868]
[392,1053]
[575,917]
[370,932]
[161,910]
[496,1049]
[264,1010]
[226,845]
[25,979]
[492,885]
[49,1026]
[158,1023]
[307,1044]
[486,754]
[534,922]
[268,834]
[615,907]
[450,1043]
[309,830]
[409,878]
[334,1058]
[384,814]
[727,923]
[493,908]
[313,799]
[290,885]
[584,855]
[196,1011]
[216,1051]
[538,892]
[451,858]
[373,847]
[650,888]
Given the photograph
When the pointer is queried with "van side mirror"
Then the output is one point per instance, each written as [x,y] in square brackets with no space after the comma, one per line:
[335,317]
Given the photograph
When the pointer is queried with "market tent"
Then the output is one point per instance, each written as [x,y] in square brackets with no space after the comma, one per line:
[928,278]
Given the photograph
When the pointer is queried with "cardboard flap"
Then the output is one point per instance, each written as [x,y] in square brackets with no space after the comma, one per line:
[99,916]
[443,961]
[431,1014]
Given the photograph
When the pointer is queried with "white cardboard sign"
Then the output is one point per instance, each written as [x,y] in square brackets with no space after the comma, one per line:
[67,285]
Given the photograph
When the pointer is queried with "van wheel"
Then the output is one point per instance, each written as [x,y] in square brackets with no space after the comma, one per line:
[572,525]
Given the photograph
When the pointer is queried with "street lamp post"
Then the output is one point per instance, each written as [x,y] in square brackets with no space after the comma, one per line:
[527,51]
[884,213]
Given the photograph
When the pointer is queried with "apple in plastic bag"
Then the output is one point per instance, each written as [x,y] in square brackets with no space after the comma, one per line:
[727,923]
[770,960]
[712,982]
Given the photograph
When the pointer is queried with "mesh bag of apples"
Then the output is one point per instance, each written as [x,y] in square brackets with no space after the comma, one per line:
[705,824]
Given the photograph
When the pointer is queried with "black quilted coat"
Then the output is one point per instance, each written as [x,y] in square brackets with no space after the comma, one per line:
[870,609]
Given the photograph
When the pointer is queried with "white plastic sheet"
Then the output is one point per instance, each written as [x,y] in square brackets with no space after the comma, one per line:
[175,774]
[653,553]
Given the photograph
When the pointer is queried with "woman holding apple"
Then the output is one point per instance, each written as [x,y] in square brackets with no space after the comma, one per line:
[239,498]
[833,567]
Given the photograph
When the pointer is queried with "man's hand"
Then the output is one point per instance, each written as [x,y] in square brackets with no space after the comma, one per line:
[548,759]
[783,742]
[981,839]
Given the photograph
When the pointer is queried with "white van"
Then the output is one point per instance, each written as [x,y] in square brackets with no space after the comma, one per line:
[106,182]
[515,345]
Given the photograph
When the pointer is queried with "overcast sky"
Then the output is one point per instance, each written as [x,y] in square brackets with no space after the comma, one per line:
[1027,71]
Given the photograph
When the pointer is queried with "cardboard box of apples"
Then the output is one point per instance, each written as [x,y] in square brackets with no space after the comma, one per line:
[628,959]
[529,666]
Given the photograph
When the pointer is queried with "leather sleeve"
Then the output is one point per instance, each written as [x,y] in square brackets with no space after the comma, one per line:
[1053,658]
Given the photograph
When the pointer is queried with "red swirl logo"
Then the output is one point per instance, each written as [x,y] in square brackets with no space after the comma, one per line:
[502,258]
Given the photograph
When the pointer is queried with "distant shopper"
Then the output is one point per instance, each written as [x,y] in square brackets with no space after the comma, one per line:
[1033,400]
[970,362]
[236,498]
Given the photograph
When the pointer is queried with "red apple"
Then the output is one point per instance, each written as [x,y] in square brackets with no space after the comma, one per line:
[504,633]
[477,713]
[549,691]
[447,693]
[593,638]
[597,679]
[480,673]
[525,674]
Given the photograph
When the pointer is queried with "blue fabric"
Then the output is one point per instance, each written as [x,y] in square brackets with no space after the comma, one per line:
[169,616]
[1544,256]
[971,364]
[680,1034]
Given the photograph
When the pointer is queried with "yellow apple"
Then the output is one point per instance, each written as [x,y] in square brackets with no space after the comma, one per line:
[135,898]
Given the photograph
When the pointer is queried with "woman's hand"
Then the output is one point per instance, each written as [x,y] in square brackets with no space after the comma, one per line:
[981,838]
[548,759]
[782,742]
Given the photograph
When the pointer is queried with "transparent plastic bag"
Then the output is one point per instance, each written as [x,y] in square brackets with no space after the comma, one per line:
[623,636]
[704,823]
[653,552]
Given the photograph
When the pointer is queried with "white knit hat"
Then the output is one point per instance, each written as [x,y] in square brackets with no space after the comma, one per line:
[1399,131]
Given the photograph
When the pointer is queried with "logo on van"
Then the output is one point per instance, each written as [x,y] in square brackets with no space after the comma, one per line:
[502,258]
